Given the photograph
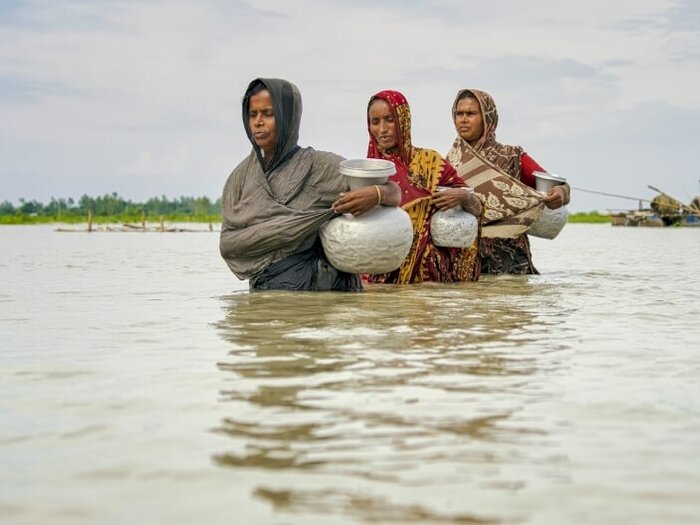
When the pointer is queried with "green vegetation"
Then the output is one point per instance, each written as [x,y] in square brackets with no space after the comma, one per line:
[588,217]
[111,208]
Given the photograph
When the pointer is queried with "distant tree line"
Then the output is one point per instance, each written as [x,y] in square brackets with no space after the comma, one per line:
[111,205]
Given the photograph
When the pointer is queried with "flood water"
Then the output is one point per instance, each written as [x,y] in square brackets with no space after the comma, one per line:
[141,383]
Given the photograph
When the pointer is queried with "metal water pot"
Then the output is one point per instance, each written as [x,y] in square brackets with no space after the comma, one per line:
[376,242]
[551,222]
[453,228]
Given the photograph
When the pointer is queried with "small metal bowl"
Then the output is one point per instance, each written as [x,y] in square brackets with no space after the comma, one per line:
[366,172]
[546,181]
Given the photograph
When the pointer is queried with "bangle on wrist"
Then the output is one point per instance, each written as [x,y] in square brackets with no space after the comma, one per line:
[379,195]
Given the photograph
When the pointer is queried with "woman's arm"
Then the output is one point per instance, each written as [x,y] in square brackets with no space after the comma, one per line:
[457,193]
[458,196]
[362,200]
[558,196]
[528,166]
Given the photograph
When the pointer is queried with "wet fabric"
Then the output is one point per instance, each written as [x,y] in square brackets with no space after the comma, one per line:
[507,256]
[306,270]
[274,212]
[418,173]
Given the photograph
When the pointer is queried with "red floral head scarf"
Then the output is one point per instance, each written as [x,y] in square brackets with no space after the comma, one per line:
[402,116]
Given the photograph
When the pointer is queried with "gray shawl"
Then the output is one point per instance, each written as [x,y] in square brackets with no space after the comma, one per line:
[270,213]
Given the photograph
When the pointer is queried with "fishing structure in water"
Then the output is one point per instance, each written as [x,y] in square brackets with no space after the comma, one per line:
[127,227]
[662,210]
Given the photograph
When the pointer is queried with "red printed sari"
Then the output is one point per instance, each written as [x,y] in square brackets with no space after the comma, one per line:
[418,173]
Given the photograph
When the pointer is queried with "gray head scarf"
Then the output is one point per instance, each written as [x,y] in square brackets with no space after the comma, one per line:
[286,103]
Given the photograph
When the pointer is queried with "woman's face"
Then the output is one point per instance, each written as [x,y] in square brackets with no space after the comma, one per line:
[382,125]
[468,120]
[261,120]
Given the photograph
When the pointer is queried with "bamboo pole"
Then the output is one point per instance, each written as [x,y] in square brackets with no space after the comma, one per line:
[89,227]
[143,219]
[611,195]
[162,224]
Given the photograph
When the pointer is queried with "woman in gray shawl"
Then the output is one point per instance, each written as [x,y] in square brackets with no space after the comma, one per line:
[276,200]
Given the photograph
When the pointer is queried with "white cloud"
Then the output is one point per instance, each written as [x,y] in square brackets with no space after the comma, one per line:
[143,98]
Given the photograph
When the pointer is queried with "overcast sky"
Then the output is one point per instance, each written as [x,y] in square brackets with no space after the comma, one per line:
[143,97]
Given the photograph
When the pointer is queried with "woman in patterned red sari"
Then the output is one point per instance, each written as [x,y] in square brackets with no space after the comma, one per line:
[419,172]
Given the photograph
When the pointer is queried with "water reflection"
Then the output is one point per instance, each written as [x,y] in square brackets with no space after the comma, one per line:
[373,510]
[396,386]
